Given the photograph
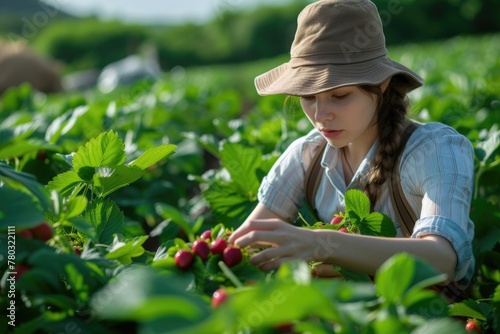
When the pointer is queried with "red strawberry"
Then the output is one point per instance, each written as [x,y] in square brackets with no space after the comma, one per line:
[77,250]
[336,220]
[183,258]
[343,229]
[27,234]
[206,234]
[42,231]
[472,326]
[219,297]
[218,246]
[20,270]
[41,155]
[232,256]
[200,248]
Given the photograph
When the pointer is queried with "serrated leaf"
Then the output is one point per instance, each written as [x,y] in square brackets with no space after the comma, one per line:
[228,204]
[106,217]
[109,179]
[356,201]
[107,149]
[65,183]
[242,164]
[153,155]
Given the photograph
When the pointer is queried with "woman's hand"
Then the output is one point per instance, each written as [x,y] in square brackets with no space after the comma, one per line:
[285,242]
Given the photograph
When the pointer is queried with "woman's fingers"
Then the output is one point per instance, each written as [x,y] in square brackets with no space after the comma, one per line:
[255,225]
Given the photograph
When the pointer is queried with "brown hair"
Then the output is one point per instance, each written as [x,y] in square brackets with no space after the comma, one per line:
[392,108]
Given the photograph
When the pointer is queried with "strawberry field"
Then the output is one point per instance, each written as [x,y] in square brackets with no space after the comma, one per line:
[115,209]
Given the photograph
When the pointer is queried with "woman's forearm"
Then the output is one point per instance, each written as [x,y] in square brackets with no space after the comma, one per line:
[366,254]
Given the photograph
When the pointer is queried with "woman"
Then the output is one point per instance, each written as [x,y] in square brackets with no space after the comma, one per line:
[356,99]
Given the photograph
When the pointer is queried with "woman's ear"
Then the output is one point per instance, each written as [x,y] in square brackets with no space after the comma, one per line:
[383,85]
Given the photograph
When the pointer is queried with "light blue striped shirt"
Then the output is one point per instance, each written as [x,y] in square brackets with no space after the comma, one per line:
[437,176]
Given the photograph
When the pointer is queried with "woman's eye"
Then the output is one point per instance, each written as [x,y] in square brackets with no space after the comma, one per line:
[310,97]
[341,97]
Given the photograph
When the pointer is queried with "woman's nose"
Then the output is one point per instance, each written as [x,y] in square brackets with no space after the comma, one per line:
[323,111]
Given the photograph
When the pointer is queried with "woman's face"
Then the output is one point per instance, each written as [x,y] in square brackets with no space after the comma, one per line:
[343,115]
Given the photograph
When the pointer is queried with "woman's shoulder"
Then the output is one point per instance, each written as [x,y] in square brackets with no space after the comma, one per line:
[436,132]
[436,138]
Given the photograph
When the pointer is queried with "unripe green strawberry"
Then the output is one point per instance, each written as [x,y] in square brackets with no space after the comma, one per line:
[232,256]
[201,248]
[183,259]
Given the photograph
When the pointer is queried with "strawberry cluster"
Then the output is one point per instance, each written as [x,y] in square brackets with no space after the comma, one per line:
[343,224]
[204,247]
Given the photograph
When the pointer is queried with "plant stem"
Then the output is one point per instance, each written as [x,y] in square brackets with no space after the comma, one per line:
[230,275]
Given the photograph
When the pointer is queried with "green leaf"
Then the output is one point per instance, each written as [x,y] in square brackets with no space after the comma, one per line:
[356,201]
[65,183]
[399,268]
[83,227]
[143,295]
[106,217]
[75,206]
[412,274]
[109,179]
[242,164]
[470,309]
[153,155]
[107,149]
[353,276]
[228,204]
[377,224]
[21,181]
[175,215]
[123,250]
[18,209]
[489,146]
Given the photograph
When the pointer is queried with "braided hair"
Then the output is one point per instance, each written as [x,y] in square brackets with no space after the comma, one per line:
[392,108]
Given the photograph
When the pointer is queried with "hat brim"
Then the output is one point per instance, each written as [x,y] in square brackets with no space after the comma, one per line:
[314,79]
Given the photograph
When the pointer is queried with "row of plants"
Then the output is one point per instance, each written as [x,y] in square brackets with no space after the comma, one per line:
[115,210]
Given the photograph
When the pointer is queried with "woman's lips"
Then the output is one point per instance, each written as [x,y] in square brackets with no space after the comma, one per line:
[331,133]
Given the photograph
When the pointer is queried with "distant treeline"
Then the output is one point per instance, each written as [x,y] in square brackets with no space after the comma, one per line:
[239,36]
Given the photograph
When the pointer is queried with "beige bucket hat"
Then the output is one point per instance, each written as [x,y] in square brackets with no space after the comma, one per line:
[337,43]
